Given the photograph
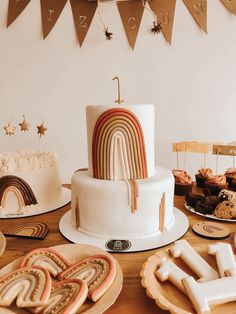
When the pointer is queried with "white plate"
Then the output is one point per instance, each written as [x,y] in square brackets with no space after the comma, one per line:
[192,210]
[60,202]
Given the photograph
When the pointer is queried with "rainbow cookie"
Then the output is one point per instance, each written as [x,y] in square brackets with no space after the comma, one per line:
[46,258]
[97,271]
[34,230]
[30,286]
[66,297]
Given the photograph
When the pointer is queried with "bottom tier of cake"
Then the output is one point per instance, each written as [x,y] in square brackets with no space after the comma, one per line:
[123,209]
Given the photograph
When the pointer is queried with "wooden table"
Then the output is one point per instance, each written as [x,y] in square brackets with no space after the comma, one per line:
[133,298]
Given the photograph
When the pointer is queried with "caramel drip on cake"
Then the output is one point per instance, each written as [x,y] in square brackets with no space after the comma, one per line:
[46,258]
[132,194]
[29,286]
[77,213]
[22,190]
[97,271]
[118,132]
[66,297]
[162,213]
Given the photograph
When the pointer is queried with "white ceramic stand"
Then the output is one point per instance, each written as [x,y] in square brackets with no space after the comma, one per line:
[177,230]
[45,208]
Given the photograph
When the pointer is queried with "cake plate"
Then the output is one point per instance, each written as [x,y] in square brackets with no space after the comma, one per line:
[45,208]
[175,232]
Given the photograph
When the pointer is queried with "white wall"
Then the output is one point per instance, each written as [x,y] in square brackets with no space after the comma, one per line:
[192,82]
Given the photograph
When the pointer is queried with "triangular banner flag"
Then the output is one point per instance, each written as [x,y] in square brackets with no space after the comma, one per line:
[83,13]
[165,12]
[131,13]
[230,5]
[51,10]
[198,9]
[15,7]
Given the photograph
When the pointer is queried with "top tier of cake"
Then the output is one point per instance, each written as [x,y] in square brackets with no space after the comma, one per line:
[120,141]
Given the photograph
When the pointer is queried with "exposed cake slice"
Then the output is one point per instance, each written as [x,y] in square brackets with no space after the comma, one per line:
[97,271]
[46,258]
[66,297]
[29,286]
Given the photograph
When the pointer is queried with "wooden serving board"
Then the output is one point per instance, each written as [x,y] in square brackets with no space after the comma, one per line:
[166,295]
[75,252]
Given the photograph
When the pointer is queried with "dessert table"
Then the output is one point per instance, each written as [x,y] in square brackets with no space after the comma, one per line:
[133,298]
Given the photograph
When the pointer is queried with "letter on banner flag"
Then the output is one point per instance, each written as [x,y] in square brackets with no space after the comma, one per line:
[230,5]
[131,13]
[165,12]
[15,7]
[83,13]
[51,10]
[198,10]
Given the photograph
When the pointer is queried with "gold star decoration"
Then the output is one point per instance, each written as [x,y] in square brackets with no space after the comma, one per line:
[24,125]
[10,129]
[41,129]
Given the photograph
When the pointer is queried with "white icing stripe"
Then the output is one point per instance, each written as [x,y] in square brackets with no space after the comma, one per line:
[203,294]
[197,264]
[169,271]
[224,257]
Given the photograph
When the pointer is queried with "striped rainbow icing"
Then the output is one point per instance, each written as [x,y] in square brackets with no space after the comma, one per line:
[118,135]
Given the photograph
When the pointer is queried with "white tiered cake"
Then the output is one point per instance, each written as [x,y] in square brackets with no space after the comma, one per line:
[122,195]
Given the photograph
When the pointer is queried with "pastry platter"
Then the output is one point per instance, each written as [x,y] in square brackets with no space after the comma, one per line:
[211,216]
[75,252]
[166,295]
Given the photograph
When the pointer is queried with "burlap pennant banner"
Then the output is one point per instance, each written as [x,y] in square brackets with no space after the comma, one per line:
[83,13]
[15,7]
[230,5]
[165,12]
[131,13]
[50,10]
[198,10]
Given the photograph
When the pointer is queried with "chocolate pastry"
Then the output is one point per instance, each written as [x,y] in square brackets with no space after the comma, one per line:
[191,198]
[203,208]
[226,195]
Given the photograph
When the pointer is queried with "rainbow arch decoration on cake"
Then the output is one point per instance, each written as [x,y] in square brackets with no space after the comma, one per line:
[118,134]
[20,188]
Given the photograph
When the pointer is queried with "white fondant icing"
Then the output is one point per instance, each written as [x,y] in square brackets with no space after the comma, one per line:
[145,115]
[40,170]
[105,211]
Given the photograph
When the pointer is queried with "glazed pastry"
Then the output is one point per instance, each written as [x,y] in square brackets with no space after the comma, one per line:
[226,210]
[202,175]
[30,286]
[46,258]
[66,297]
[230,174]
[192,199]
[183,182]
[216,183]
[227,195]
[97,271]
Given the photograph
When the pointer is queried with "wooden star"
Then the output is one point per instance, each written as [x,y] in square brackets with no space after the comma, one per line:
[10,129]
[41,129]
[24,125]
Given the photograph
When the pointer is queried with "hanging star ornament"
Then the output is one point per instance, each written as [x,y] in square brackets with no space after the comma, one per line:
[108,34]
[41,129]
[10,129]
[156,29]
[24,125]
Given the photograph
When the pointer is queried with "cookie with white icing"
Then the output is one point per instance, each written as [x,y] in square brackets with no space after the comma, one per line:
[47,258]
[66,298]
[98,271]
[30,286]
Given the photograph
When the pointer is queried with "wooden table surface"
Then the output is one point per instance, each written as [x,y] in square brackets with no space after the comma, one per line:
[133,298]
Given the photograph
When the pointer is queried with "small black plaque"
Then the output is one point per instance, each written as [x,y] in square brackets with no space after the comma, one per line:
[118,245]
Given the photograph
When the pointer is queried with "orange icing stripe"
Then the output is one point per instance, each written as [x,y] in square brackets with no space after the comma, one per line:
[109,123]
[162,213]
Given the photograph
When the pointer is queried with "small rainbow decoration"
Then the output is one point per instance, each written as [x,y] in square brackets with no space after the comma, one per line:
[118,130]
[37,230]
[21,189]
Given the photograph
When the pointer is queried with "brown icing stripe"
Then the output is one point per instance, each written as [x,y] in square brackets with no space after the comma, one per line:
[77,213]
[134,195]
[162,213]
[124,121]
[25,196]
